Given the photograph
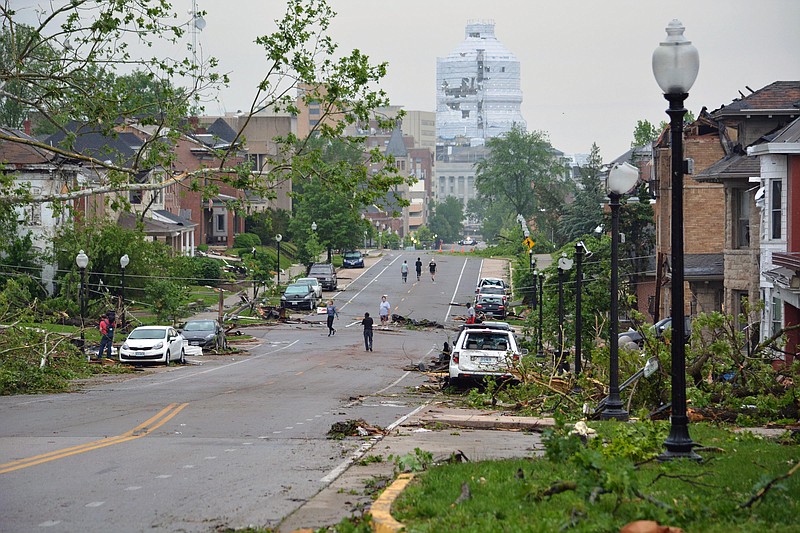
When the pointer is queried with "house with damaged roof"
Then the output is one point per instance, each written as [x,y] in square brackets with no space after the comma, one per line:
[735,211]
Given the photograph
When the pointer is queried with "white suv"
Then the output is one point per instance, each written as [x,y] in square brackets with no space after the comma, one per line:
[480,352]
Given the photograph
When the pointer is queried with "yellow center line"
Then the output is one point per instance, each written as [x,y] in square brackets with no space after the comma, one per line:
[146,427]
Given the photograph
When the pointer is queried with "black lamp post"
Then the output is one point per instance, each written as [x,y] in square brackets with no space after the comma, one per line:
[580,250]
[531,265]
[539,277]
[82,260]
[279,238]
[564,264]
[123,262]
[621,179]
[675,66]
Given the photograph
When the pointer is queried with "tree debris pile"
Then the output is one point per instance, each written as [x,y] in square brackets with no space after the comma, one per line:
[353,428]
[423,323]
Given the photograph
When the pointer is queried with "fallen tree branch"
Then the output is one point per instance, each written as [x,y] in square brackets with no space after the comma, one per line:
[556,488]
[760,493]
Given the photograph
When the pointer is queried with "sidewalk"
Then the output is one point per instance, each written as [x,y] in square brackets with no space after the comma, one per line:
[442,431]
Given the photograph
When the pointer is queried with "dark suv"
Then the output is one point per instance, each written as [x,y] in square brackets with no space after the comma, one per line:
[326,275]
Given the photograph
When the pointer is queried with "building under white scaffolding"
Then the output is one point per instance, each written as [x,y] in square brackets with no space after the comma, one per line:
[478,93]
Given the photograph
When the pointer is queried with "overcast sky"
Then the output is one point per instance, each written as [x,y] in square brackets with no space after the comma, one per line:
[586,73]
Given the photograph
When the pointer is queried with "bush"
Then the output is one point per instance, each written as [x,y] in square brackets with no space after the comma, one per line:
[207,271]
[247,240]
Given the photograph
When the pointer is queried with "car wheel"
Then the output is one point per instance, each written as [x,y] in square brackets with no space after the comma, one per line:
[456,383]
[182,359]
[166,359]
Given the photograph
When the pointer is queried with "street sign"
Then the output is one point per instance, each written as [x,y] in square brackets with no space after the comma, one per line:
[528,242]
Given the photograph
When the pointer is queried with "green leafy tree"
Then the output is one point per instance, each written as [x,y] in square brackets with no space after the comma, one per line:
[644,133]
[167,299]
[66,68]
[447,219]
[525,171]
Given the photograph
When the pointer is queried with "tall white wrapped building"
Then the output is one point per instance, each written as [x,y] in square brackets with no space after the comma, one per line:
[478,93]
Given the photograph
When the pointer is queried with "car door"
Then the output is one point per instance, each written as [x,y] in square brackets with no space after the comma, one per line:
[176,344]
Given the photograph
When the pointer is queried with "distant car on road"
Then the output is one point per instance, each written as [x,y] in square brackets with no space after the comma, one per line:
[299,296]
[326,275]
[153,344]
[315,284]
[467,241]
[352,259]
[203,333]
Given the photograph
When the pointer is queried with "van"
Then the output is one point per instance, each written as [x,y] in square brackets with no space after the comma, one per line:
[326,275]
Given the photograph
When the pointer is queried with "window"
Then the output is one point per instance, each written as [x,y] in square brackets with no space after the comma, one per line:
[136,197]
[741,215]
[777,315]
[464,113]
[221,223]
[776,208]
[34,214]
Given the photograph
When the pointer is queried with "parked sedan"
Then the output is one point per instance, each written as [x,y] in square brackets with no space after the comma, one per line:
[315,284]
[299,296]
[203,333]
[153,344]
[493,305]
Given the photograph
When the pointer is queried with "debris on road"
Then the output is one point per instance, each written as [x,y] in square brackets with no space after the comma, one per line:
[353,428]
[424,323]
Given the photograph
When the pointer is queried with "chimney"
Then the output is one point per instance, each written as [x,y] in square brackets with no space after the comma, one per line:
[26,126]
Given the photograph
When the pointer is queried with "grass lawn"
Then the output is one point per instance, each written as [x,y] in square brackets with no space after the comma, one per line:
[610,490]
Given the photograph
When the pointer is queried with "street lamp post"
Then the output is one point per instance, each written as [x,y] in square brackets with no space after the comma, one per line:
[564,264]
[580,249]
[82,260]
[621,179]
[123,262]
[365,240]
[279,238]
[539,276]
[675,66]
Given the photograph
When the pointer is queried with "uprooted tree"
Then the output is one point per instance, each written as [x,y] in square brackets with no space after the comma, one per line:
[73,66]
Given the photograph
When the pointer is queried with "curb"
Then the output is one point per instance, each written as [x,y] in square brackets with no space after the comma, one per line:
[382,520]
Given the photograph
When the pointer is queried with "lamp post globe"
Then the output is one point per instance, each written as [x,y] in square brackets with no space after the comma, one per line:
[82,260]
[675,67]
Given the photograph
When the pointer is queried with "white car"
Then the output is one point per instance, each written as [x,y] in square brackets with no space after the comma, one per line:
[153,344]
[491,282]
[481,352]
[314,282]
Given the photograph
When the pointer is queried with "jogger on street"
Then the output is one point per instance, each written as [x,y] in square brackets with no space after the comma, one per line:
[404,271]
[418,264]
[367,323]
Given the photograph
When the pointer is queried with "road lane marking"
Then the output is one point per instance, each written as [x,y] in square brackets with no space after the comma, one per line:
[460,275]
[143,429]
[373,280]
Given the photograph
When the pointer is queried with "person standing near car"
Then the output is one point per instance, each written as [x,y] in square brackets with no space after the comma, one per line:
[384,311]
[106,327]
[432,268]
[470,313]
[367,323]
[332,313]
[418,265]
[404,271]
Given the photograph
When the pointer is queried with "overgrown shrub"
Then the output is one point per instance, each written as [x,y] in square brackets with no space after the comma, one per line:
[246,240]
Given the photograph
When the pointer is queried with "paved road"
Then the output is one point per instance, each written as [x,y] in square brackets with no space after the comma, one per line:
[229,441]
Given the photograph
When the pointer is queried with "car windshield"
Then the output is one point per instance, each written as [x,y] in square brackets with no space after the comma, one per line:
[297,289]
[491,289]
[308,281]
[486,341]
[352,255]
[491,300]
[199,325]
[147,334]
[495,282]
[320,270]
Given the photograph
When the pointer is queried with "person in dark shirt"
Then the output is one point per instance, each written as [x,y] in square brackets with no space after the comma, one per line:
[367,323]
[418,264]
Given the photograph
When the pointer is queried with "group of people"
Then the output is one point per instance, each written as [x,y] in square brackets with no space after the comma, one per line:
[418,266]
[384,309]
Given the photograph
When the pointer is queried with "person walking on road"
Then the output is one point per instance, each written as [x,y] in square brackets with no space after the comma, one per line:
[332,313]
[432,268]
[385,310]
[404,271]
[418,264]
[367,323]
